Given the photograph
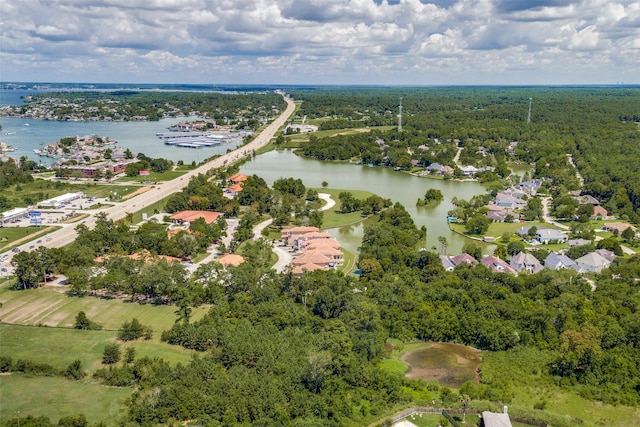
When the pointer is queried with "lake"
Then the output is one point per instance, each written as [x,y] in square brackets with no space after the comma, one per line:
[385,182]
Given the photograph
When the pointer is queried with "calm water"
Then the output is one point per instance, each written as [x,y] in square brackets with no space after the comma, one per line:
[25,135]
[385,182]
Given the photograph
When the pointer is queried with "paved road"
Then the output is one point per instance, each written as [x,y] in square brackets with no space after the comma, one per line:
[67,235]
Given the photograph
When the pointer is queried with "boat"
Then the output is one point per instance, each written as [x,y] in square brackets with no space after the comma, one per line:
[38,152]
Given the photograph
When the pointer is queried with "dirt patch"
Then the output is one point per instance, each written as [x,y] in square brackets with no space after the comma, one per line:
[135,193]
[449,364]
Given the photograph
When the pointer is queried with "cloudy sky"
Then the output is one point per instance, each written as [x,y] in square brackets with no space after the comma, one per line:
[390,42]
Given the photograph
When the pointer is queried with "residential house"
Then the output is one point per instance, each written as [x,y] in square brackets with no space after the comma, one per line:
[238,178]
[495,419]
[598,212]
[592,262]
[464,258]
[190,216]
[231,260]
[498,216]
[447,263]
[618,226]
[551,235]
[556,261]
[606,254]
[578,242]
[290,234]
[524,261]
[587,200]
[469,170]
[497,265]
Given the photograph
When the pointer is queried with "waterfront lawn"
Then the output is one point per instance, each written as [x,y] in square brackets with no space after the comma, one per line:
[50,306]
[332,218]
[497,229]
[56,397]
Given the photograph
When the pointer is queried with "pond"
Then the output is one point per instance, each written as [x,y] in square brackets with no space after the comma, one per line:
[450,364]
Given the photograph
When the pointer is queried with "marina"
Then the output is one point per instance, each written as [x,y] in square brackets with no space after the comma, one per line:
[198,139]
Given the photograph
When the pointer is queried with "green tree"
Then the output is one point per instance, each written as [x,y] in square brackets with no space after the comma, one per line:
[111,354]
[83,322]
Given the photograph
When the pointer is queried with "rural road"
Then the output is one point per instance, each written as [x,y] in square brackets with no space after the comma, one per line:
[67,235]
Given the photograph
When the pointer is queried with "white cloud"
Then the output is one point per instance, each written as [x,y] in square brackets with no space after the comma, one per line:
[293,41]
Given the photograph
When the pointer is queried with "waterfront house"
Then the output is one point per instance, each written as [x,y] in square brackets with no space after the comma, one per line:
[463,258]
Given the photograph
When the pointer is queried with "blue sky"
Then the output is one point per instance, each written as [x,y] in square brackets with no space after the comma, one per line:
[399,42]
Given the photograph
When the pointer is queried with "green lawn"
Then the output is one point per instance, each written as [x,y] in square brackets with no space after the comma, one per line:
[8,235]
[332,218]
[39,189]
[56,397]
[50,306]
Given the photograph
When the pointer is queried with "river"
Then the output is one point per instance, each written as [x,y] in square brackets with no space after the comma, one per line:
[385,182]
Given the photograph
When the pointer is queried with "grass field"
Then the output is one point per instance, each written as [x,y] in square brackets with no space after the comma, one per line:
[56,397]
[333,218]
[9,235]
[154,177]
[50,306]
[40,189]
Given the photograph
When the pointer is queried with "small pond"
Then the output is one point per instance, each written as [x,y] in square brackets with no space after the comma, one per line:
[450,364]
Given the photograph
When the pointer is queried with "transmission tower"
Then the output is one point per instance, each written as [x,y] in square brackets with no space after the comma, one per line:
[400,116]
[529,116]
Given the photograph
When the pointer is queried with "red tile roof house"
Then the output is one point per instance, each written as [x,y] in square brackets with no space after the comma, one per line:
[599,212]
[231,260]
[328,247]
[238,178]
[290,234]
[190,216]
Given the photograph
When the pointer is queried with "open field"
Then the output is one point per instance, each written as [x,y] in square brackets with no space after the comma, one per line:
[50,306]
[14,235]
[59,347]
[56,397]
[153,177]
[38,190]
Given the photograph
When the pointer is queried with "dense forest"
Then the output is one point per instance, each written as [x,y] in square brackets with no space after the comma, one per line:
[599,127]
[306,350]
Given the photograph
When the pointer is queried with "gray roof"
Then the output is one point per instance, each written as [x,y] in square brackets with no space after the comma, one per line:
[556,261]
[493,419]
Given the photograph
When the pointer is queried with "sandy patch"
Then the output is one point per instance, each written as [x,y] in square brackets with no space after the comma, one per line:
[138,191]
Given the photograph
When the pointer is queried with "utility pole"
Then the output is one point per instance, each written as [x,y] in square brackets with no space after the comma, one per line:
[400,116]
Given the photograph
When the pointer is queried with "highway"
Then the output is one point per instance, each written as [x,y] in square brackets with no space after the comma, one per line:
[66,235]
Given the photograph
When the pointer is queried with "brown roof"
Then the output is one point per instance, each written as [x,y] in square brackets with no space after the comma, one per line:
[312,257]
[298,230]
[143,255]
[236,188]
[238,178]
[321,243]
[299,269]
[231,259]
[190,216]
